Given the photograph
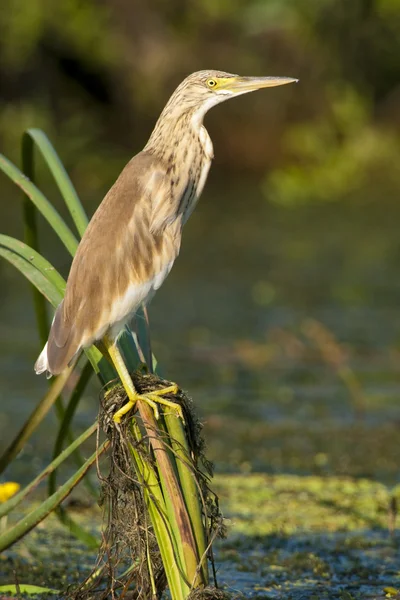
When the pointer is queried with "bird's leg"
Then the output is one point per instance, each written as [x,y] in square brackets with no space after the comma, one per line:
[151,398]
[124,376]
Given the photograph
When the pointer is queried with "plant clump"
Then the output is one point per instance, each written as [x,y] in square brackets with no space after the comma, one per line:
[130,556]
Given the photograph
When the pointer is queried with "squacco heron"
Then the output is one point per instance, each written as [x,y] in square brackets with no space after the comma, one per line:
[134,237]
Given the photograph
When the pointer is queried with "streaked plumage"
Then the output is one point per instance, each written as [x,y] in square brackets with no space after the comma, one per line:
[134,237]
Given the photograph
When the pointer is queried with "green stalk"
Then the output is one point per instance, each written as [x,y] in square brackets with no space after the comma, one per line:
[13,502]
[59,173]
[172,489]
[36,262]
[64,429]
[31,239]
[158,515]
[129,348]
[75,529]
[32,274]
[34,420]
[25,588]
[177,540]
[42,204]
[143,338]
[67,418]
[28,522]
[187,480]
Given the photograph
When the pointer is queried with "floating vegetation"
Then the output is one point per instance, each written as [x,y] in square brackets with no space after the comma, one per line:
[290,538]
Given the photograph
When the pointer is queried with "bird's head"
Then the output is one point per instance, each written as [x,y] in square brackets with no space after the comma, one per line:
[198,93]
[202,90]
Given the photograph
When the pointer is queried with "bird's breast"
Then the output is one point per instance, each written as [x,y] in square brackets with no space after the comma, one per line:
[136,293]
[196,181]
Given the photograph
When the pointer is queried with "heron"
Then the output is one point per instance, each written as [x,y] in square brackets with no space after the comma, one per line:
[134,237]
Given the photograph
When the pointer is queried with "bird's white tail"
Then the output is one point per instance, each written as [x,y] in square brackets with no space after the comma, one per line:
[42,365]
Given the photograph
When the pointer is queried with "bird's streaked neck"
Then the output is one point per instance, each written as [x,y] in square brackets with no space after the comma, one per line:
[177,121]
[197,116]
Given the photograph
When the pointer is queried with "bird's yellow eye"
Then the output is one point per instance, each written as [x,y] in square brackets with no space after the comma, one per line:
[211,83]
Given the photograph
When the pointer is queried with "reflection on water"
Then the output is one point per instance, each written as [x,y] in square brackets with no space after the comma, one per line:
[230,325]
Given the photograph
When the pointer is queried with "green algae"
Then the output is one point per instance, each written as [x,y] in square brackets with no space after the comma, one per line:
[304,537]
[263,504]
[289,537]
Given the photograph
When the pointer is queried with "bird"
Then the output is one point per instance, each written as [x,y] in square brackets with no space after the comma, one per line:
[134,237]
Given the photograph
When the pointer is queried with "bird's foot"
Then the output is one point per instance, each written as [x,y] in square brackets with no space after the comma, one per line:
[152,399]
[157,397]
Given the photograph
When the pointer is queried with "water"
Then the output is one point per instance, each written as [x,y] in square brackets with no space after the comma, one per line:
[229,326]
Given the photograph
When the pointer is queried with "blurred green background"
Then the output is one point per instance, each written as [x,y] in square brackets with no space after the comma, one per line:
[281,315]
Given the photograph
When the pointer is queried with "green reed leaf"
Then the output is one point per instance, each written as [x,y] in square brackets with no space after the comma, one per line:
[36,137]
[41,202]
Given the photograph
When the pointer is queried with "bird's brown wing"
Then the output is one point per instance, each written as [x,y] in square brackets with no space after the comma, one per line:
[61,342]
[117,250]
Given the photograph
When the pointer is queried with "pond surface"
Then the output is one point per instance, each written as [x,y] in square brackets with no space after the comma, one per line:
[284,326]
[289,538]
[238,325]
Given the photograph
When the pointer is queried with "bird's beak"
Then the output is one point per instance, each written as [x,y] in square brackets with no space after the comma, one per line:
[241,85]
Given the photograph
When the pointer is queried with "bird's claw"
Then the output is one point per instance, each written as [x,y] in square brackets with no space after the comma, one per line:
[153,399]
